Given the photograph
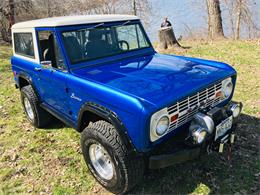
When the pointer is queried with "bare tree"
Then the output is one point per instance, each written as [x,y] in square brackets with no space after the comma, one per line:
[238,22]
[140,8]
[215,28]
[134,7]
[20,10]
[241,17]
[11,13]
[243,14]
[7,19]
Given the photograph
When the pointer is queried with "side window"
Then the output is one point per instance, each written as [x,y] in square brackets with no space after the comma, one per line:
[49,49]
[142,39]
[133,35]
[58,56]
[23,44]
[128,33]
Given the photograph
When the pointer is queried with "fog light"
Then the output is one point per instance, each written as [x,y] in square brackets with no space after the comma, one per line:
[204,121]
[198,134]
[235,109]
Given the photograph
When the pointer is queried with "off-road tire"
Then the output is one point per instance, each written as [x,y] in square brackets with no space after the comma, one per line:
[129,168]
[41,117]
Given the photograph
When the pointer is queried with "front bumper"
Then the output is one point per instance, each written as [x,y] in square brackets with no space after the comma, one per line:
[186,151]
[165,160]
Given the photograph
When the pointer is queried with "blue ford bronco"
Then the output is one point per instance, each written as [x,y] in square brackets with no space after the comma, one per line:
[135,109]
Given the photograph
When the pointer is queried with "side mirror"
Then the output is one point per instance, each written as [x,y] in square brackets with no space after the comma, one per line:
[46,64]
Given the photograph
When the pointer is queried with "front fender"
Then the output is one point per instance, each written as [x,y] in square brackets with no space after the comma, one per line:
[108,115]
[24,76]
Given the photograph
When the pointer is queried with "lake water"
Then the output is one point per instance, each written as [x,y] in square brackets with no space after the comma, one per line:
[191,16]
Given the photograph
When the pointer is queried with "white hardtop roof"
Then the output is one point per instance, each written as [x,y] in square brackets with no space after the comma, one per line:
[72,20]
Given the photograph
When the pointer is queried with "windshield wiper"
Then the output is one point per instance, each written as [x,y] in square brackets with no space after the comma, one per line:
[98,25]
[122,24]
[125,23]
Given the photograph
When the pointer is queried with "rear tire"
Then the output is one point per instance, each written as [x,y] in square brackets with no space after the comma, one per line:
[36,115]
[127,169]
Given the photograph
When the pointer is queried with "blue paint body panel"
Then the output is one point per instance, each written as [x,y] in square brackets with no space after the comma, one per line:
[133,86]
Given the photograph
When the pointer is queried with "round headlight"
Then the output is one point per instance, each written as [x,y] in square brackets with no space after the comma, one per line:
[227,87]
[162,125]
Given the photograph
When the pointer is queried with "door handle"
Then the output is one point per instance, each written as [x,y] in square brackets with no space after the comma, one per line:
[37,69]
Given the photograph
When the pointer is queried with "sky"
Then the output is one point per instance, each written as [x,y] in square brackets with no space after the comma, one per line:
[189,16]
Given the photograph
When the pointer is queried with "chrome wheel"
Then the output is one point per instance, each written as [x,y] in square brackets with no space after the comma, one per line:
[28,108]
[101,161]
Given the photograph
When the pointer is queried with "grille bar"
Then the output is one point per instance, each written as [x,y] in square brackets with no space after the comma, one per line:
[188,107]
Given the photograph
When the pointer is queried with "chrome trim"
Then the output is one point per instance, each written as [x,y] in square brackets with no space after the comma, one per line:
[101,161]
[205,121]
[234,107]
[153,123]
[28,108]
[189,106]
[225,82]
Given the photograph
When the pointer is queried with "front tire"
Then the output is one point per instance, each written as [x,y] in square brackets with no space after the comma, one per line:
[108,159]
[36,115]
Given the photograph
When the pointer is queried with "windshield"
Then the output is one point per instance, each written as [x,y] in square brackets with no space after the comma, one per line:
[92,43]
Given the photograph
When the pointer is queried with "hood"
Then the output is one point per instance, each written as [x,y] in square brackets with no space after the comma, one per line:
[158,79]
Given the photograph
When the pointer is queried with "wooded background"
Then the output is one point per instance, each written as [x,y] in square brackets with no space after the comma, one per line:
[239,11]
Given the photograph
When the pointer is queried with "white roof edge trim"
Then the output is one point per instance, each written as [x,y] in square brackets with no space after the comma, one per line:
[73,20]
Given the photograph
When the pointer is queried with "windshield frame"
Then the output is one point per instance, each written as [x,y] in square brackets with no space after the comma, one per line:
[88,62]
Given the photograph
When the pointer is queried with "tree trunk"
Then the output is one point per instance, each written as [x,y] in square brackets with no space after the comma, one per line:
[7,20]
[215,28]
[5,32]
[167,38]
[238,21]
[11,14]
[134,8]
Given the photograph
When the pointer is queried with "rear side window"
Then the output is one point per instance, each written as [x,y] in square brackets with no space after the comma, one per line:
[23,44]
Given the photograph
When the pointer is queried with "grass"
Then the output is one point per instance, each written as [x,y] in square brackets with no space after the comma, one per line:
[50,160]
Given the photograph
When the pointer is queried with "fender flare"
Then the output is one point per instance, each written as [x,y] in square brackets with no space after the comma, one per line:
[111,117]
[26,77]
[30,81]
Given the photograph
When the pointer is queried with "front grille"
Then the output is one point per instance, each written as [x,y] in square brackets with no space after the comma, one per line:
[188,107]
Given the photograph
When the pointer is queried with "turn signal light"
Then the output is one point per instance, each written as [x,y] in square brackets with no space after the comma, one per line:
[174,117]
[219,94]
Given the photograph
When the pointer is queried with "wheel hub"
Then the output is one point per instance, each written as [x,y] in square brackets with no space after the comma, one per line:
[101,161]
[28,108]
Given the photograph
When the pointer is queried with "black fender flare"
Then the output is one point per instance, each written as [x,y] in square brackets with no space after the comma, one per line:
[26,77]
[30,81]
[109,116]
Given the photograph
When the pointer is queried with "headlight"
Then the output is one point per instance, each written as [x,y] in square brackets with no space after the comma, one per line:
[159,124]
[227,87]
[162,125]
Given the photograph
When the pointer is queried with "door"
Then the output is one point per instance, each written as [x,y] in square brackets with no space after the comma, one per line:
[52,73]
